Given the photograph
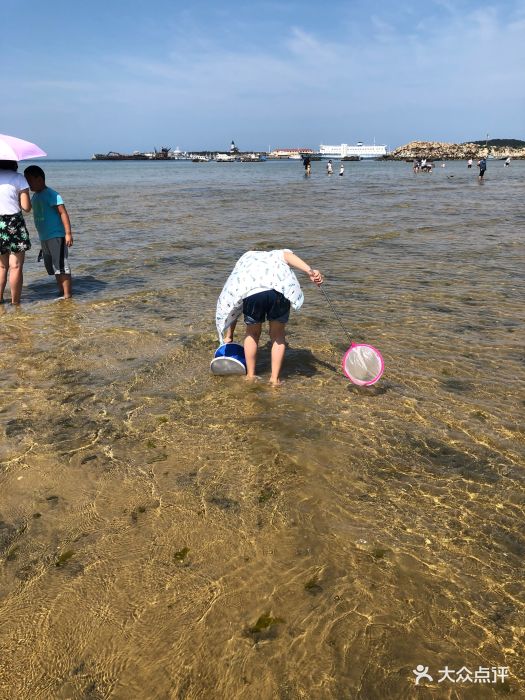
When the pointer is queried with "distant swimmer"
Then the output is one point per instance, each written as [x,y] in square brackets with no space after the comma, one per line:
[329,168]
[507,162]
[482,164]
[342,169]
[469,163]
[307,165]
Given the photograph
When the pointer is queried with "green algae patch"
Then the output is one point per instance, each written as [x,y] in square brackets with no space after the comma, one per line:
[264,623]
[64,557]
[181,554]
[313,587]
[266,494]
[379,552]
[11,554]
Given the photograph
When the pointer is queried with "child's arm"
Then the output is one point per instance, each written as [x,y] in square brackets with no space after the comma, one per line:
[25,200]
[295,261]
[67,224]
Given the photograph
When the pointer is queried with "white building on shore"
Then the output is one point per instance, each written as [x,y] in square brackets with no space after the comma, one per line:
[360,150]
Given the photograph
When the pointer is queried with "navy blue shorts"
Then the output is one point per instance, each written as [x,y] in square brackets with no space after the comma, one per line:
[268,305]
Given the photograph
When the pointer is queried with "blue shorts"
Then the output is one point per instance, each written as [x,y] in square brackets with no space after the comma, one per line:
[268,305]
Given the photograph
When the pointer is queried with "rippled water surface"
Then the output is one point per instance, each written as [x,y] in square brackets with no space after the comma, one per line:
[169,534]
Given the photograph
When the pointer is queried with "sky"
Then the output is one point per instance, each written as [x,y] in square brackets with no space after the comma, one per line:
[124,75]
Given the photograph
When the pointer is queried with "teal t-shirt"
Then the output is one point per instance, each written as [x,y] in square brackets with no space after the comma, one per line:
[47,219]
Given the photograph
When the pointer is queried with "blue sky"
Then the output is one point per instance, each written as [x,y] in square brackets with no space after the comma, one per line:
[115,75]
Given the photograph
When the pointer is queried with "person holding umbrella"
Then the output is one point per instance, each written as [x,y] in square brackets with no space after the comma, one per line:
[14,198]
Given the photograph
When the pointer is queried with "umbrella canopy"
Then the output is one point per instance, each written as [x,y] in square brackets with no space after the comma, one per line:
[12,148]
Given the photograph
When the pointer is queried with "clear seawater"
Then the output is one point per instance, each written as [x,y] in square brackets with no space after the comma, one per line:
[165,533]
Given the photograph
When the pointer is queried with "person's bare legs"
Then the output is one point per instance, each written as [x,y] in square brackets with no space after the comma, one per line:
[228,333]
[4,266]
[277,336]
[64,285]
[251,343]
[16,275]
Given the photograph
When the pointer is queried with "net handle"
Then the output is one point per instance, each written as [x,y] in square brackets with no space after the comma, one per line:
[335,313]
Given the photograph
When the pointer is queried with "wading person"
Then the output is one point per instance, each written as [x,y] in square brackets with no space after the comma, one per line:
[482,165]
[263,287]
[54,229]
[307,165]
[14,238]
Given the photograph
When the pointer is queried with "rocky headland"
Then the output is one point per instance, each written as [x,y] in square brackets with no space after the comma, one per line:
[436,150]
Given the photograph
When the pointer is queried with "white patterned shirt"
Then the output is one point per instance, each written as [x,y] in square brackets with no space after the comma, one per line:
[256,271]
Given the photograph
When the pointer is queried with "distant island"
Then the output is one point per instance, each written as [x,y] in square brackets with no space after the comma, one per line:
[436,150]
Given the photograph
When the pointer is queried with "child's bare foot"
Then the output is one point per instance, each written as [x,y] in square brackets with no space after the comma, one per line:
[253,378]
[276,382]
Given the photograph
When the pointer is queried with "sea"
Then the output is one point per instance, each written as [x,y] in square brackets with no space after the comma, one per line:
[169,534]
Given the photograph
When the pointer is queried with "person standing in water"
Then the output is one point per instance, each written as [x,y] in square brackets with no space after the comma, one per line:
[507,162]
[329,168]
[342,169]
[482,164]
[14,238]
[307,165]
[469,163]
[54,229]
[263,287]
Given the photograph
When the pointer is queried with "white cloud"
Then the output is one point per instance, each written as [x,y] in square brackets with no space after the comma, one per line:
[452,79]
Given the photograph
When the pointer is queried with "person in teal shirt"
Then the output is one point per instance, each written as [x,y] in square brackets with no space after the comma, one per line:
[54,228]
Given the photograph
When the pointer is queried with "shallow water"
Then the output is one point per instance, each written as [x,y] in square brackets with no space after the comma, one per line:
[169,534]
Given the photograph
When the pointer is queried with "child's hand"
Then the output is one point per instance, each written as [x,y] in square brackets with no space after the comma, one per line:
[316,277]
[69,239]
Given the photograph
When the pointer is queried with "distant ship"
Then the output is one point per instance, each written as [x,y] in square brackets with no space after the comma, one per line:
[165,153]
[360,150]
[113,155]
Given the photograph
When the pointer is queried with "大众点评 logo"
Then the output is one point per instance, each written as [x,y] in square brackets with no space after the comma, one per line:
[482,674]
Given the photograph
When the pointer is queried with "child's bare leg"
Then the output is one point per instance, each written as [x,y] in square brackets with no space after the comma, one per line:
[251,343]
[64,285]
[228,333]
[4,266]
[16,275]
[277,336]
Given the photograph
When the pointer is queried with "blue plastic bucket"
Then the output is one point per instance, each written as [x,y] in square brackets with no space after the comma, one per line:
[229,359]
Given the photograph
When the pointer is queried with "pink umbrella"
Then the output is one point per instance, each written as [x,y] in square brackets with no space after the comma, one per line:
[12,148]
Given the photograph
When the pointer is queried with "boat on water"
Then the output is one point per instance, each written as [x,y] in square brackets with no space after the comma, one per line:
[200,159]
[252,158]
[360,150]
[165,153]
[114,155]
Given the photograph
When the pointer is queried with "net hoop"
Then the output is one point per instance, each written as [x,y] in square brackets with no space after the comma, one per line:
[378,356]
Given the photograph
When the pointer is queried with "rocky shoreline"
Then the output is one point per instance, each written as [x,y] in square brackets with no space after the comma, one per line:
[436,150]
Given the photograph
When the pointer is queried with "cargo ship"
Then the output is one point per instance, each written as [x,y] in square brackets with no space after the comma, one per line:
[165,153]
[358,152]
